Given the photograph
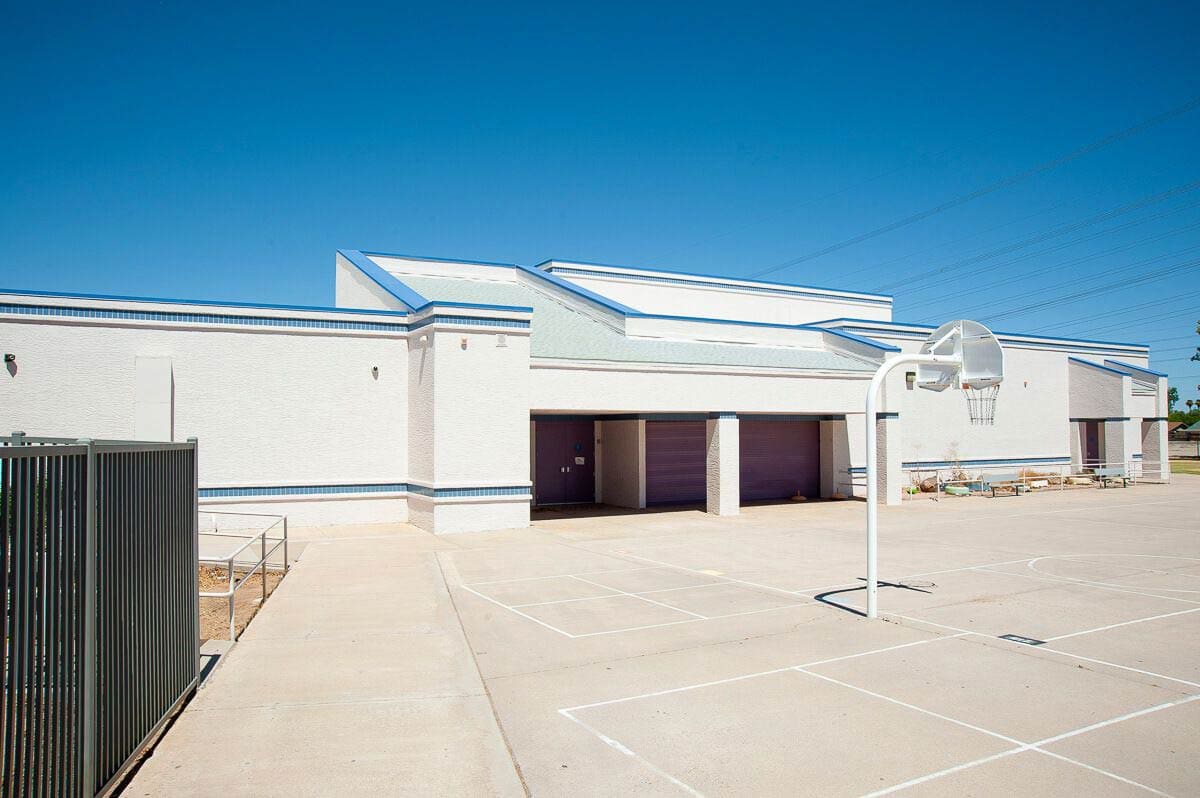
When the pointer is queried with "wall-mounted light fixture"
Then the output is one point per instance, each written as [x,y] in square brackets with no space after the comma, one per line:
[9,357]
[464,343]
[910,379]
[375,372]
[501,341]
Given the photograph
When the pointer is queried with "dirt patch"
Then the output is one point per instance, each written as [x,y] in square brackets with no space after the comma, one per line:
[214,612]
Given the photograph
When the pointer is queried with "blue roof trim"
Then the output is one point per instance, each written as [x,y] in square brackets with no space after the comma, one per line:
[403,292]
[384,279]
[568,263]
[997,332]
[212,303]
[566,285]
[1098,366]
[436,303]
[860,339]
[1142,369]
[440,260]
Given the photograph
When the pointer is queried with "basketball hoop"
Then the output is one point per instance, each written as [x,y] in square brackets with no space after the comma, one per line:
[959,354]
[981,403]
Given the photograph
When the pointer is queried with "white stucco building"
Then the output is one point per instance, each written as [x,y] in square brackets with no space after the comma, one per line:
[456,394]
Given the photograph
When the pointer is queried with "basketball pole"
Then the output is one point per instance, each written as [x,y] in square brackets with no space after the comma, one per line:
[873,466]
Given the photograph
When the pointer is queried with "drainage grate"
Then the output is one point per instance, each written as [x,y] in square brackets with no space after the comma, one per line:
[1029,641]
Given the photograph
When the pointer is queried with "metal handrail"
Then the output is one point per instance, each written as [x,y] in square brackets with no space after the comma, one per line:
[229,559]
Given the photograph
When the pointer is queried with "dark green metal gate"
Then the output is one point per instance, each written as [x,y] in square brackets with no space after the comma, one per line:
[98,584]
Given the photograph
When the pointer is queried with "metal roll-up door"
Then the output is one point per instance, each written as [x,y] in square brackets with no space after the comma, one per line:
[675,462]
[779,458]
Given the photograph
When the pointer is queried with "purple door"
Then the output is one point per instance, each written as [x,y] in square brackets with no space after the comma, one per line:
[1091,443]
[675,457]
[564,462]
[780,459]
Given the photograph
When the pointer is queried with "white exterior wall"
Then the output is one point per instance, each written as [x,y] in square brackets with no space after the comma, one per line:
[469,418]
[353,289]
[270,406]
[1032,412]
[1098,393]
[771,304]
[656,389]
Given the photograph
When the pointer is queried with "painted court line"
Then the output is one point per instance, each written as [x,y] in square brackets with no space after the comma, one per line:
[690,620]
[1030,565]
[610,595]
[1045,649]
[859,583]
[1020,747]
[643,598]
[559,576]
[616,745]
[1085,583]
[518,612]
[725,578]
[1121,667]
[1123,623]
[743,677]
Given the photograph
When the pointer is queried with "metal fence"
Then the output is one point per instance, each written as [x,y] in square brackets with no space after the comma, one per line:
[100,648]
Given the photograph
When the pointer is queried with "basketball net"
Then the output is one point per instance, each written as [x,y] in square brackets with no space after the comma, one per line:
[981,403]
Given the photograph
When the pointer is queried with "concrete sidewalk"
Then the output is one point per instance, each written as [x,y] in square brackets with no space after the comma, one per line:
[355,679]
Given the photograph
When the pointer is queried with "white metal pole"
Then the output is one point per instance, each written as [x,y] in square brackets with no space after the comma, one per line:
[873,468]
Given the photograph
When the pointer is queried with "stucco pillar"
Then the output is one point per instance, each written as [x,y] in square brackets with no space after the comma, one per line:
[469,443]
[891,474]
[1155,455]
[835,458]
[723,464]
[1118,450]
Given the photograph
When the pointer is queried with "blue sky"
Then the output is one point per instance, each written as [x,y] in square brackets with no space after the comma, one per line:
[225,151]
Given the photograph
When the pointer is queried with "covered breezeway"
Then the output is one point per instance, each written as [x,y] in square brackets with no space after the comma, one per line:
[716,462]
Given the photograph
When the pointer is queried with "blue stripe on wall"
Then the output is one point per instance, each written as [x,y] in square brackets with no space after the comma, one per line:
[917,464]
[513,324]
[303,490]
[342,490]
[197,318]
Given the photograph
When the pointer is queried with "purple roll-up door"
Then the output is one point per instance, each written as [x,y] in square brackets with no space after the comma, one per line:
[675,457]
[780,459]
[564,462]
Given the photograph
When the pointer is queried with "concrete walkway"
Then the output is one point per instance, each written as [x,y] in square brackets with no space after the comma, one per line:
[355,679]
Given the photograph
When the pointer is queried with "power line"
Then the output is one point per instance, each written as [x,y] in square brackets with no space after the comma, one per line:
[977,233]
[1096,290]
[989,189]
[1144,319]
[1062,264]
[1055,232]
[814,201]
[1130,309]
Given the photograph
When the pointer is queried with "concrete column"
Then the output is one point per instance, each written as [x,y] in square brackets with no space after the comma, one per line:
[891,475]
[1077,444]
[1117,448]
[835,458]
[723,464]
[1155,454]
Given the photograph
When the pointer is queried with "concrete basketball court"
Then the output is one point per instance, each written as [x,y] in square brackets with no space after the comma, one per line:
[678,653]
